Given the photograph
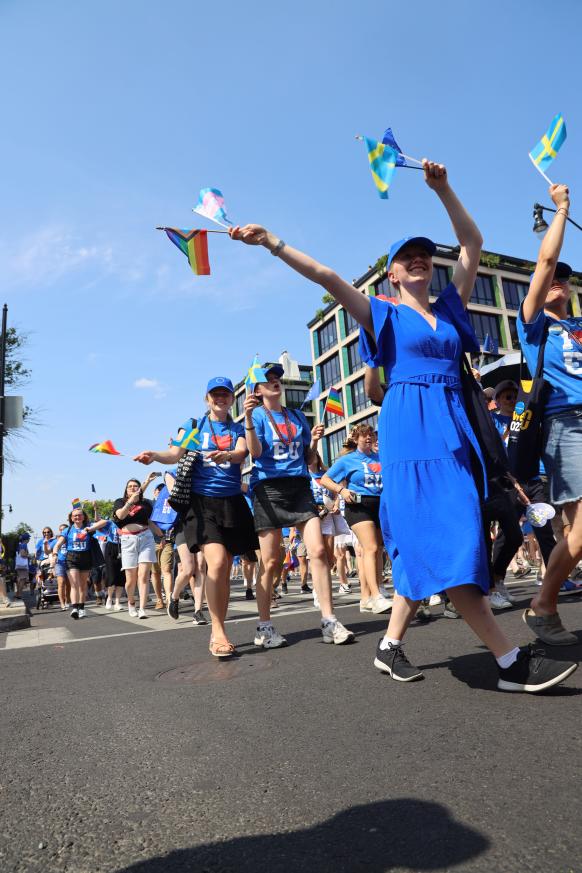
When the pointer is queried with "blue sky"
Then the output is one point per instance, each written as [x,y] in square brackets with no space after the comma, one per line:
[116,114]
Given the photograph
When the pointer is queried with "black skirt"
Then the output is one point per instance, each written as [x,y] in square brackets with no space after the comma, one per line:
[367,510]
[224,520]
[284,502]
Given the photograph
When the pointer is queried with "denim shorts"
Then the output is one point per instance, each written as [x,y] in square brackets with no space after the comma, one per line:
[137,549]
[562,455]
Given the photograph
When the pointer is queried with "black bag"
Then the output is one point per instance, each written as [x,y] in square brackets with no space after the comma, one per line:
[179,498]
[524,446]
[97,559]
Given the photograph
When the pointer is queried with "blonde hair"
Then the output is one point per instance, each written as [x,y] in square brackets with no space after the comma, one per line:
[351,443]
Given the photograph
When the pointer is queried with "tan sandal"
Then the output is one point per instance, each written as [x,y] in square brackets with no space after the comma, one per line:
[221,650]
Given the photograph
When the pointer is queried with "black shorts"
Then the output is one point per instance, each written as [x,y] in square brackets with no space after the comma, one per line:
[114,575]
[284,502]
[367,510]
[224,520]
[79,561]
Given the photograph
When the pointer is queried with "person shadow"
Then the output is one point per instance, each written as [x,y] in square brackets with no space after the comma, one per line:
[396,834]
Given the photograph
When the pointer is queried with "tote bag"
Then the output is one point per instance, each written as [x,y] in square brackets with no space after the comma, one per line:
[524,447]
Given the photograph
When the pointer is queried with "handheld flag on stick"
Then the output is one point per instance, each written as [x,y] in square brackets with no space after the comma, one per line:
[333,404]
[211,205]
[389,140]
[547,148]
[194,244]
[382,160]
[290,561]
[93,489]
[76,503]
[189,441]
[255,374]
[106,448]
[313,392]
[490,346]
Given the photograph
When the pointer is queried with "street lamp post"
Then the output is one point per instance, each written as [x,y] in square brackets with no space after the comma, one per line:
[2,419]
[540,224]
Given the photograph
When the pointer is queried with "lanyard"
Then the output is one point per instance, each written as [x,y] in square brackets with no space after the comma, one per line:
[215,438]
[284,439]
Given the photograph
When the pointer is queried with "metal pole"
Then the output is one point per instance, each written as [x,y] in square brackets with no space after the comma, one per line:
[2,385]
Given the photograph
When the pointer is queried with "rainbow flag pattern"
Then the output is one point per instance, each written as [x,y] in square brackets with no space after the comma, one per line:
[544,152]
[194,244]
[106,448]
[76,503]
[211,205]
[189,441]
[333,404]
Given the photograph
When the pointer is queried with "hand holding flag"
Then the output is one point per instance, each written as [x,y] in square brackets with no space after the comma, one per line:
[255,374]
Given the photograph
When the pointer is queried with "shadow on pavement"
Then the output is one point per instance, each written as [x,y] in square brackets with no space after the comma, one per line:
[404,833]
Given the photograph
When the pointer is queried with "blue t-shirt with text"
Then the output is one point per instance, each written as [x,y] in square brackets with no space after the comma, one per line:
[562,358]
[77,539]
[319,493]
[362,473]
[280,457]
[208,478]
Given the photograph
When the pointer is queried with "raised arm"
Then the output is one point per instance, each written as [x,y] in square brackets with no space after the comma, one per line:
[466,231]
[170,456]
[356,303]
[548,255]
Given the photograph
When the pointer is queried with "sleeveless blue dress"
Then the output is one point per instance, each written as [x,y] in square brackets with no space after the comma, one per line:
[429,510]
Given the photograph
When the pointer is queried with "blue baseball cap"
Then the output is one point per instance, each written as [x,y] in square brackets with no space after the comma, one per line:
[220,382]
[276,369]
[423,241]
[562,272]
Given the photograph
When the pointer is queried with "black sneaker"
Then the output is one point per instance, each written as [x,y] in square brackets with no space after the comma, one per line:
[423,612]
[394,662]
[249,594]
[284,588]
[305,589]
[173,608]
[199,617]
[450,611]
[532,672]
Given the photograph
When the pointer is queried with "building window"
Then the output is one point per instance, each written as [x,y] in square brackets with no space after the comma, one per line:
[334,443]
[238,404]
[440,279]
[382,286]
[372,420]
[306,375]
[513,332]
[327,336]
[294,397]
[514,293]
[485,324]
[359,399]
[330,372]
[354,360]
[483,291]
[350,323]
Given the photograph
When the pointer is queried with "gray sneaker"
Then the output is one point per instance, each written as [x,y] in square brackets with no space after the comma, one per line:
[549,629]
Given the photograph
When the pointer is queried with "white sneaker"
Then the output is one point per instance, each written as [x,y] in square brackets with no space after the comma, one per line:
[269,638]
[118,607]
[132,610]
[435,600]
[502,589]
[381,604]
[109,603]
[141,613]
[384,591]
[366,605]
[81,612]
[344,589]
[498,601]
[335,632]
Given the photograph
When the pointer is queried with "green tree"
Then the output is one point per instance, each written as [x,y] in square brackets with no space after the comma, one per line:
[104,508]
[10,539]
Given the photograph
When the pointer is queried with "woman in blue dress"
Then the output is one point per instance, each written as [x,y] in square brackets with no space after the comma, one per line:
[430,510]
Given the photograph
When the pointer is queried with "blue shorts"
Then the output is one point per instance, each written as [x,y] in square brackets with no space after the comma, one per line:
[61,569]
[562,455]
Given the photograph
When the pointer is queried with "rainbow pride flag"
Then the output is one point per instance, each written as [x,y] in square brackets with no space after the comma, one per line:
[106,448]
[333,404]
[194,244]
[189,441]
[76,503]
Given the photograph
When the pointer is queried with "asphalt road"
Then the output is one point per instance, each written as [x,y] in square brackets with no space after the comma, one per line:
[130,749]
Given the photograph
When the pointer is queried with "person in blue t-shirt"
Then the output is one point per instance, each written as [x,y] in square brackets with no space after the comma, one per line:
[60,568]
[282,444]
[544,313]
[77,538]
[218,522]
[114,575]
[356,476]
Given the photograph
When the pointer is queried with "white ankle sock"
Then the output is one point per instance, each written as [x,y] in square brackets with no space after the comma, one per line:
[389,641]
[327,619]
[508,659]
[265,624]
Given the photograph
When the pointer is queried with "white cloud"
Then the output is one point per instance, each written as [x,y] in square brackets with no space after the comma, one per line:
[152,385]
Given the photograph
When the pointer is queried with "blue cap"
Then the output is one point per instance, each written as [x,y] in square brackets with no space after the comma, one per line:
[423,241]
[220,382]
[277,369]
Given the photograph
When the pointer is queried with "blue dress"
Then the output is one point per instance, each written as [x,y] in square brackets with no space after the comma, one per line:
[429,510]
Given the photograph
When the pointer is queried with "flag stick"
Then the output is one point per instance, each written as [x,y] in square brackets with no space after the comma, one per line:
[541,172]
[210,219]
[211,230]
[406,157]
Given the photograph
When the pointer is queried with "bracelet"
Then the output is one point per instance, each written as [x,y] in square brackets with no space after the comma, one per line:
[249,428]
[278,248]
[562,209]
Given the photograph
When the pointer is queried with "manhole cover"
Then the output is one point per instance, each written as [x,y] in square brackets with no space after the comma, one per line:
[201,672]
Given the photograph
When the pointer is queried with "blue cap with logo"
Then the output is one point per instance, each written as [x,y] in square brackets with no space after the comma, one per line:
[220,382]
[423,241]
[276,369]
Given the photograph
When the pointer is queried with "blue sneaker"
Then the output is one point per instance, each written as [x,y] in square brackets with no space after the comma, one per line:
[571,587]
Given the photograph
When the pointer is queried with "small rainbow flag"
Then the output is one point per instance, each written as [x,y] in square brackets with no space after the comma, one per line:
[76,503]
[189,441]
[194,244]
[333,404]
[106,448]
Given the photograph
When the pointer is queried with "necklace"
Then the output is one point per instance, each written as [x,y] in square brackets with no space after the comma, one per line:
[284,439]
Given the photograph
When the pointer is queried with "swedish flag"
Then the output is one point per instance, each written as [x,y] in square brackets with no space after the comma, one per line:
[546,150]
[255,374]
[383,160]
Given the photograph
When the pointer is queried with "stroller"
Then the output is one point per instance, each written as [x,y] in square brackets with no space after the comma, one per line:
[46,586]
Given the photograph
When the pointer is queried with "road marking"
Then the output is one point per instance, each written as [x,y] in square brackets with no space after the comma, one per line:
[32,637]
